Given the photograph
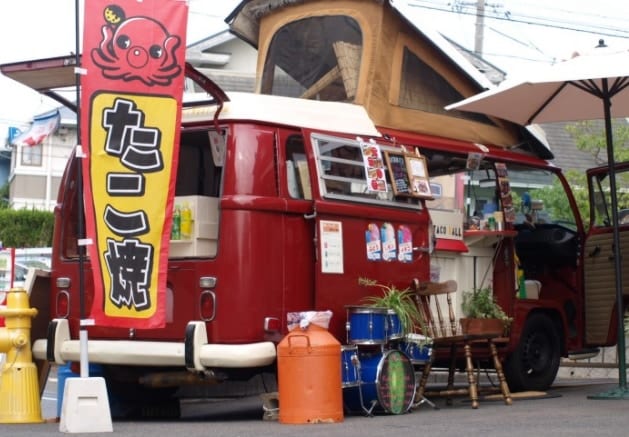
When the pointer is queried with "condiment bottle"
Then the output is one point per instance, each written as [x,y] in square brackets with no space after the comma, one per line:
[175,231]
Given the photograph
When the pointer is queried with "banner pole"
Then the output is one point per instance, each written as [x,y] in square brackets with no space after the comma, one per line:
[80,226]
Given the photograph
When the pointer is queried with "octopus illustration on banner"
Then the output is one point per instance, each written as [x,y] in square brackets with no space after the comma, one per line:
[136,48]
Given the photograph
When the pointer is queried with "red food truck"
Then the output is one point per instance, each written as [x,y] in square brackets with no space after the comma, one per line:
[343,165]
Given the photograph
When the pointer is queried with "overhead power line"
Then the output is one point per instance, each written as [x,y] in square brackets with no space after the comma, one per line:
[525,19]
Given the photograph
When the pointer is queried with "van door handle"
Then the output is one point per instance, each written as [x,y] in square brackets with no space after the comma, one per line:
[310,216]
[423,249]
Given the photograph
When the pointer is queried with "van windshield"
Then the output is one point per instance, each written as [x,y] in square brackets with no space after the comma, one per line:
[480,188]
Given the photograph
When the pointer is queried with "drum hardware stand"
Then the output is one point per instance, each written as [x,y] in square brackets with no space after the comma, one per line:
[370,409]
[374,402]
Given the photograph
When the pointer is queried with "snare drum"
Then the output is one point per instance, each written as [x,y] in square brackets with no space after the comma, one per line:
[366,325]
[350,366]
[387,382]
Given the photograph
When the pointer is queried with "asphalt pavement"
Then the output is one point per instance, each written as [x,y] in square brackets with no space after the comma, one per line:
[571,407]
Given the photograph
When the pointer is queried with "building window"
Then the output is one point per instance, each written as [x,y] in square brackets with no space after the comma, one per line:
[32,155]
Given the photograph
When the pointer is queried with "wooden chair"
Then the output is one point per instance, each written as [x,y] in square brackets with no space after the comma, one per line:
[443,329]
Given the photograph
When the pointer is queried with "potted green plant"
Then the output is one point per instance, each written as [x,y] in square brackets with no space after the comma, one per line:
[400,301]
[482,314]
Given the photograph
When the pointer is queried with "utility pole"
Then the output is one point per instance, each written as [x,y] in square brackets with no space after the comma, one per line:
[480,5]
[480,27]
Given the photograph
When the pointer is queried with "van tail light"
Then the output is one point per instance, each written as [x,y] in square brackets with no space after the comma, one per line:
[207,298]
[62,306]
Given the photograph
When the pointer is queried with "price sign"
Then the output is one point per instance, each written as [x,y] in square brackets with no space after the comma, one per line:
[400,181]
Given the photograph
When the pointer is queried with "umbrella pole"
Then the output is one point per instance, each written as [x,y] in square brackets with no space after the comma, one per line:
[621,392]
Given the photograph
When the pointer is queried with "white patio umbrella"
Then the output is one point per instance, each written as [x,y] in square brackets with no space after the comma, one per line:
[586,87]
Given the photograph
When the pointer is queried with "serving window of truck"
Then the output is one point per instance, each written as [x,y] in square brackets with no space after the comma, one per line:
[360,171]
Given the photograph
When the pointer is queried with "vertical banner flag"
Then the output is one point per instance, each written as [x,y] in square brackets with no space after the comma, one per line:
[132,86]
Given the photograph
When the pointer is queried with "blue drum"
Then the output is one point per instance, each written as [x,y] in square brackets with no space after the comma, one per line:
[417,347]
[366,325]
[350,366]
[394,326]
[387,384]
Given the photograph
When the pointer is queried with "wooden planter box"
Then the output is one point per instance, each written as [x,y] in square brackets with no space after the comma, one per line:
[482,326]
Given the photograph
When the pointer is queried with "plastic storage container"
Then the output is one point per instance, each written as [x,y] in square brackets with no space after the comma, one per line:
[309,377]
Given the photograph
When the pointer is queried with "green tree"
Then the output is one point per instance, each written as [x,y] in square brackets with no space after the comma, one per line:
[590,136]
[554,197]
[4,196]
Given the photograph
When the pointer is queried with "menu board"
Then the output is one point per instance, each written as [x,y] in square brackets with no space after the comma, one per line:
[418,174]
[409,175]
[401,183]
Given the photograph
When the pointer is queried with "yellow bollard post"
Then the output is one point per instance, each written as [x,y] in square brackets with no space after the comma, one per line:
[19,386]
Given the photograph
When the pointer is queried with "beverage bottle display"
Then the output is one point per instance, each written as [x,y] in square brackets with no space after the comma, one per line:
[186,222]
[175,232]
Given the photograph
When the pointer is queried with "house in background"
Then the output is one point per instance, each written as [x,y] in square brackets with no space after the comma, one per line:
[6,152]
[226,59]
[35,172]
[36,169]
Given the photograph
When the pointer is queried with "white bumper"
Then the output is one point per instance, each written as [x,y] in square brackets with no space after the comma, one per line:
[194,353]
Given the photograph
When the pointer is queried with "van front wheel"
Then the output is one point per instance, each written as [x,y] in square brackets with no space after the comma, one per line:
[533,365]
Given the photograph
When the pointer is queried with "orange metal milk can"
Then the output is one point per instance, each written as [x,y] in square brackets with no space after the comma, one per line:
[309,377]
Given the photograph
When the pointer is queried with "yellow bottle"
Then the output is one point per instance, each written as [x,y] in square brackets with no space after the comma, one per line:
[186,222]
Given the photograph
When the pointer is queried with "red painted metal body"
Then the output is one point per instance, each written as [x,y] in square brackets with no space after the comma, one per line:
[267,260]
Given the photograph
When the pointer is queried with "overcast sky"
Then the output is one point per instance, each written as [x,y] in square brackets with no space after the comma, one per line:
[518,34]
[51,32]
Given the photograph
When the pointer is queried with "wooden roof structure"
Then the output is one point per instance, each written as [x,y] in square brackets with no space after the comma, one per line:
[403,74]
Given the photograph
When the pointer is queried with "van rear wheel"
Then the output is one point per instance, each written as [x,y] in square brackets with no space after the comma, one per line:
[535,362]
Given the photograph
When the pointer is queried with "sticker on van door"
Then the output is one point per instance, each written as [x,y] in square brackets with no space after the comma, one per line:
[405,244]
[373,243]
[389,245]
[331,246]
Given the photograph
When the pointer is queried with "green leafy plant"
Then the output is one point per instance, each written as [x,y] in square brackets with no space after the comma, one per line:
[26,228]
[480,304]
[400,301]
